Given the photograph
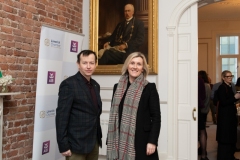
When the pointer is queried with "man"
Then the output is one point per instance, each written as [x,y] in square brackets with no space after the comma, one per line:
[127,37]
[78,113]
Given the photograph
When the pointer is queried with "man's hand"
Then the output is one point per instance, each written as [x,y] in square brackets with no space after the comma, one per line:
[122,47]
[150,148]
[67,153]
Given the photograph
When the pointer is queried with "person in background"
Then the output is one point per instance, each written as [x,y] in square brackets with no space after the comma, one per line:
[135,117]
[237,85]
[212,106]
[127,37]
[226,119]
[78,112]
[215,88]
[203,115]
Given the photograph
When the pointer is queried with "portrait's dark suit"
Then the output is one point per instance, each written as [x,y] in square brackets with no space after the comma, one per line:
[77,118]
[132,34]
[148,122]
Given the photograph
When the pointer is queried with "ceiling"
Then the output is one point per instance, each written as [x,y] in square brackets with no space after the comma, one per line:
[219,10]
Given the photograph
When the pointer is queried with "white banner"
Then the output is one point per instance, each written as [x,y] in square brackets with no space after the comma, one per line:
[57,60]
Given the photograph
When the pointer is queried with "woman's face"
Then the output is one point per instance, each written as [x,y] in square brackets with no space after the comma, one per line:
[135,68]
[228,78]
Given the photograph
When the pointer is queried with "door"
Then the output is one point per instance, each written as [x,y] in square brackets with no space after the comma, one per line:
[187,83]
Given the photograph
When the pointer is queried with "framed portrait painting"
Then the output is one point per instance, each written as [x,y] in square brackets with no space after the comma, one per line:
[105,15]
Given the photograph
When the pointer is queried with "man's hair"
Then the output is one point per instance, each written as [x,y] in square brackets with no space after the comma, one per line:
[86,53]
[128,60]
[129,5]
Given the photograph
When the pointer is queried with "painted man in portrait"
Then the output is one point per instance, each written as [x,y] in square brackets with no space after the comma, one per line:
[127,37]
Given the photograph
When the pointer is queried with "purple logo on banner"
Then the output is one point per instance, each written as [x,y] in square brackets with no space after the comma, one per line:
[51,77]
[45,147]
[74,46]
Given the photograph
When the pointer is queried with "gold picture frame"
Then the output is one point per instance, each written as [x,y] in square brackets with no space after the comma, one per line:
[152,39]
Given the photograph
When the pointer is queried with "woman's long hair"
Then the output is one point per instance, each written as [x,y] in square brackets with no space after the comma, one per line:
[203,75]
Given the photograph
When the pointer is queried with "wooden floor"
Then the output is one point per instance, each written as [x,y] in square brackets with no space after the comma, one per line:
[212,143]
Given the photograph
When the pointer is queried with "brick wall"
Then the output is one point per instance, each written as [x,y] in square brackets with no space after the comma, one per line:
[20,26]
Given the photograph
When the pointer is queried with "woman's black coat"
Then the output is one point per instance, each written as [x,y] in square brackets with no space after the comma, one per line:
[148,122]
[226,120]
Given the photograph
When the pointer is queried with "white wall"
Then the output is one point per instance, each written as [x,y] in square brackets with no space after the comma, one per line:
[207,32]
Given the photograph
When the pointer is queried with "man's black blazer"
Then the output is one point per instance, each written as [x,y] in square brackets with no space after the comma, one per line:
[77,118]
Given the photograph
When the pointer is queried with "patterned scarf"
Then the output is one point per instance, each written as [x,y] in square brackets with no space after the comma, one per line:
[120,144]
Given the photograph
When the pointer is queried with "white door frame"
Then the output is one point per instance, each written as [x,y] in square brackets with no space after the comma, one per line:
[173,77]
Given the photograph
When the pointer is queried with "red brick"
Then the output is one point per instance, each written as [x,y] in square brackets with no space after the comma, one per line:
[9,51]
[30,128]
[24,129]
[3,59]
[8,44]
[14,25]
[29,15]
[7,8]
[31,100]
[39,5]
[11,59]
[25,67]
[19,39]
[31,2]
[26,34]
[27,47]
[13,131]
[18,5]
[28,21]
[18,45]
[24,1]
[6,29]
[31,9]
[18,96]
[28,28]
[22,13]
[4,66]
[2,50]
[23,109]
[20,53]
[20,116]
[6,22]
[7,147]
[17,32]
[12,153]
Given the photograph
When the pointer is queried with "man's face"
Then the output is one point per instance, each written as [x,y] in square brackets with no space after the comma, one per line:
[128,11]
[87,65]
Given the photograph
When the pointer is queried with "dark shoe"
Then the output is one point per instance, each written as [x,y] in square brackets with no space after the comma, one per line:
[204,158]
[200,151]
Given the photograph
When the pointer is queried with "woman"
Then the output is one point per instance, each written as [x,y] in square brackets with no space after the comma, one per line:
[203,116]
[226,119]
[135,118]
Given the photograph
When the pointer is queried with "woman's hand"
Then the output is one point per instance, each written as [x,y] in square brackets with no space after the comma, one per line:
[237,95]
[67,153]
[151,148]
